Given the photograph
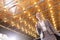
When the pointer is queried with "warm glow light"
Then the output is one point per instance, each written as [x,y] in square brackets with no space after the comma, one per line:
[26,31]
[49,0]
[29,17]
[24,11]
[51,11]
[28,14]
[25,22]
[5,19]
[13,14]
[49,5]
[19,18]
[54,22]
[33,19]
[39,10]
[53,19]
[18,26]
[5,10]
[56,28]
[52,15]
[22,28]
[13,24]
[29,25]
[36,5]
[54,25]
[42,16]
[23,8]
[35,2]
[5,7]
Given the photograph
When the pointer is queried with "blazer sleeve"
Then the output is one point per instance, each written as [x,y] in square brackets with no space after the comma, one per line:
[53,29]
[38,29]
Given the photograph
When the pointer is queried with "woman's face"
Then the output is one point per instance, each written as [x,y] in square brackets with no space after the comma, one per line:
[39,17]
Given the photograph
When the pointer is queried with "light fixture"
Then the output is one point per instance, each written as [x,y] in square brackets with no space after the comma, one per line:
[56,28]
[24,11]
[5,19]
[28,14]
[5,10]
[25,22]
[39,10]
[22,29]
[49,4]
[19,18]
[12,38]
[51,11]
[49,0]
[29,25]
[13,24]
[18,26]
[33,19]
[36,5]
[35,2]
[23,8]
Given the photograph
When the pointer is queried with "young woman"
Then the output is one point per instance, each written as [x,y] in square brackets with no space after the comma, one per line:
[45,29]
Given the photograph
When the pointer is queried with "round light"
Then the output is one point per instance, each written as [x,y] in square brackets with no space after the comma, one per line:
[36,6]
[35,3]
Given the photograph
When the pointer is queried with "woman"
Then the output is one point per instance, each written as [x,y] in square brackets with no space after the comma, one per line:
[45,29]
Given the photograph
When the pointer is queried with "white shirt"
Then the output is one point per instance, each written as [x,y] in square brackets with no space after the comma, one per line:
[42,25]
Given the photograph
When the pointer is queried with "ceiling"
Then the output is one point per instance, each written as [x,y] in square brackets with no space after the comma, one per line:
[21,14]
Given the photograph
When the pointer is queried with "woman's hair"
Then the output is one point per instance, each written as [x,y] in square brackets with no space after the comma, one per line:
[39,15]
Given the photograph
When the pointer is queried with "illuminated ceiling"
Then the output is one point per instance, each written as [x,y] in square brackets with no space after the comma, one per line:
[21,13]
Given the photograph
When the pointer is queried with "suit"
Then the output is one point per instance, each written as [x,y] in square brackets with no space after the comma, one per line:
[49,33]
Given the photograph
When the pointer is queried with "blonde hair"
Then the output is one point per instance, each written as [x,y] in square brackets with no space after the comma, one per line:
[40,14]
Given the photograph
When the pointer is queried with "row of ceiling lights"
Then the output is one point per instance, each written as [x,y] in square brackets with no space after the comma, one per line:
[33,18]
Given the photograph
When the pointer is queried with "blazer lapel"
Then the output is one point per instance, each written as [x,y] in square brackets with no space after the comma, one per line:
[48,27]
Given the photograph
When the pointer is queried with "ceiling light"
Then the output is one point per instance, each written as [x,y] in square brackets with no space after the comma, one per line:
[35,3]
[12,38]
